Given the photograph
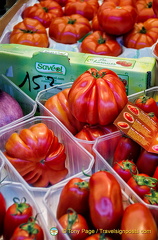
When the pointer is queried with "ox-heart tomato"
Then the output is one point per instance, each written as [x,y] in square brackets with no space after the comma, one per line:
[59,106]
[86,8]
[105,211]
[69,29]
[37,155]
[100,43]
[17,213]
[2,212]
[30,230]
[143,34]
[97,96]
[29,32]
[44,12]
[138,223]
[145,10]
[117,17]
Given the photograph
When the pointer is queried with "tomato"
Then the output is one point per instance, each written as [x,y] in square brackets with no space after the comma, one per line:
[126,148]
[95,24]
[29,32]
[142,35]
[86,8]
[44,12]
[99,236]
[151,198]
[74,195]
[145,10]
[147,162]
[147,104]
[100,43]
[126,169]
[155,7]
[74,225]
[117,17]
[142,183]
[69,29]
[17,213]
[138,223]
[61,2]
[37,155]
[91,133]
[153,116]
[97,96]
[105,211]
[2,212]
[59,106]
[28,231]
[155,175]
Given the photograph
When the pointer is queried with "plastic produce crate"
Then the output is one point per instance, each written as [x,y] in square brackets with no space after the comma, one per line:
[104,161]
[28,105]
[51,200]
[77,158]
[11,189]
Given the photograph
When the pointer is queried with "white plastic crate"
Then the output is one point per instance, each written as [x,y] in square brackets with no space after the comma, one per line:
[77,158]
[28,105]
[104,160]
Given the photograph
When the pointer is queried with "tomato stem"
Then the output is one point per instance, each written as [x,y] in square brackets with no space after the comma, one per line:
[72,217]
[145,181]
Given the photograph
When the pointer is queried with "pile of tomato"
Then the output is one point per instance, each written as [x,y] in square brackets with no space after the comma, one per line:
[98,23]
[95,209]
[18,221]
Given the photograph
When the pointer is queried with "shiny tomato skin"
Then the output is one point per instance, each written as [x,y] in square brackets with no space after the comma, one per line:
[2,212]
[105,212]
[59,106]
[155,175]
[17,213]
[126,148]
[21,233]
[29,32]
[97,96]
[117,17]
[141,184]
[143,34]
[75,195]
[74,221]
[145,10]
[147,162]
[100,43]
[43,11]
[138,218]
[147,104]
[45,158]
[125,169]
[69,29]
[86,8]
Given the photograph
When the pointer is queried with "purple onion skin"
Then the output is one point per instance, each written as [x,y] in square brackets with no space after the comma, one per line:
[10,110]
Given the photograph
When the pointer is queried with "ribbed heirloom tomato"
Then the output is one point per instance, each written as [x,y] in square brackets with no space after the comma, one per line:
[37,155]
[145,10]
[69,29]
[100,43]
[97,96]
[143,34]
[86,8]
[44,12]
[29,32]
[117,17]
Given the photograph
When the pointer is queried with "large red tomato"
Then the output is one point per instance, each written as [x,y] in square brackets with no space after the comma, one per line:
[87,8]
[100,43]
[155,7]
[117,17]
[142,35]
[37,155]
[59,106]
[138,223]
[145,10]
[69,29]
[29,32]
[97,96]
[44,12]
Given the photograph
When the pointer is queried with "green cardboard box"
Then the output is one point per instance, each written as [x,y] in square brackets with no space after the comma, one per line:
[34,69]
